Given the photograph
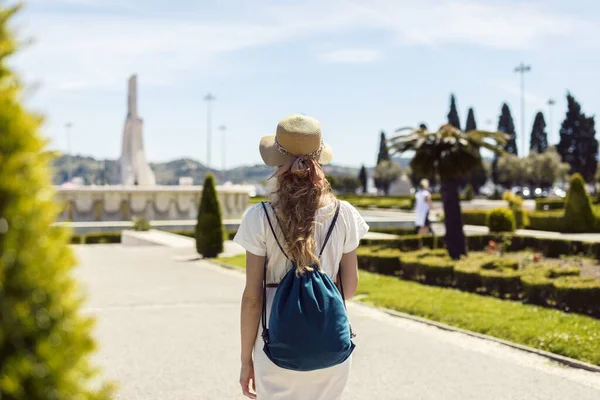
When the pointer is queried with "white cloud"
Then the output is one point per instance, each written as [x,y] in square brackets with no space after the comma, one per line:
[350,56]
[87,49]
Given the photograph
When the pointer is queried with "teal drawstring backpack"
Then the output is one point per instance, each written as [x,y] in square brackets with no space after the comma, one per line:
[308,325]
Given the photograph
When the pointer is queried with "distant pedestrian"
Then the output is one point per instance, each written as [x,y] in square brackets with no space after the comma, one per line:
[423,206]
[301,265]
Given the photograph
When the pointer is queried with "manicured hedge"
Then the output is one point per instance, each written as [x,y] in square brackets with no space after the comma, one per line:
[552,248]
[553,204]
[549,204]
[546,221]
[500,220]
[474,217]
[542,284]
[97,238]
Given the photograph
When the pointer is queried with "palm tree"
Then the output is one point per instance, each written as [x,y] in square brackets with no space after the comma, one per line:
[451,154]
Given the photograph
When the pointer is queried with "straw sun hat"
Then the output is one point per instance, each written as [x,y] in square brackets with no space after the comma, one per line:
[296,136]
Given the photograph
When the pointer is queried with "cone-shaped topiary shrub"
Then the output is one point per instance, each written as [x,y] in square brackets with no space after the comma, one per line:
[501,220]
[45,341]
[579,216]
[209,229]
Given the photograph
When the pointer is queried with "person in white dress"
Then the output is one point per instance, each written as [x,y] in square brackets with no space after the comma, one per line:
[303,206]
[423,205]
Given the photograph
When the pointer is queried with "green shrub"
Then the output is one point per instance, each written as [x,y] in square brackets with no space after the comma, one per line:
[209,229]
[500,220]
[100,238]
[45,337]
[141,224]
[501,263]
[576,293]
[501,282]
[579,216]
[474,217]
[521,218]
[537,289]
[544,284]
[467,275]
[381,263]
[436,271]
[549,204]
[547,221]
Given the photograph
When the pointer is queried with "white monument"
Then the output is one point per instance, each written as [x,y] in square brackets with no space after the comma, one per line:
[138,195]
[135,170]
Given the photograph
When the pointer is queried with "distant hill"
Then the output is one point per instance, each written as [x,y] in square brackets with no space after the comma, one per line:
[95,171]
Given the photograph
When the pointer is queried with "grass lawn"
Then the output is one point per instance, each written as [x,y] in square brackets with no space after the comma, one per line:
[570,335]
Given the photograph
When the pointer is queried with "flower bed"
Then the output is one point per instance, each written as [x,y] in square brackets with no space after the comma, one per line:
[517,276]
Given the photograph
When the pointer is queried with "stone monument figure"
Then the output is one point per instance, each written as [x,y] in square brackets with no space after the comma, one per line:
[135,170]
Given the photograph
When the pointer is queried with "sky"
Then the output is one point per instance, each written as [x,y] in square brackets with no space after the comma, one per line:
[358,66]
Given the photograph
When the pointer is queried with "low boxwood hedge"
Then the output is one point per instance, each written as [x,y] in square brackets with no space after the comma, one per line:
[501,220]
[548,285]
[549,204]
[96,238]
[474,217]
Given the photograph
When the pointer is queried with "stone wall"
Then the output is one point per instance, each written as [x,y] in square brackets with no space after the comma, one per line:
[166,203]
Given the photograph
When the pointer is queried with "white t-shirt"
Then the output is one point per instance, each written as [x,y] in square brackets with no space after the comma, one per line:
[421,207]
[254,234]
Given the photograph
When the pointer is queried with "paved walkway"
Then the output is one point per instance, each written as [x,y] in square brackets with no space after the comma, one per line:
[168,329]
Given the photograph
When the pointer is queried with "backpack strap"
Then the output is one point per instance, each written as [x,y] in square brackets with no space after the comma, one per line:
[273,229]
[263,319]
[330,231]
[341,282]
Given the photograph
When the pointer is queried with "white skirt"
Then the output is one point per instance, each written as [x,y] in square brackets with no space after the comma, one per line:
[276,383]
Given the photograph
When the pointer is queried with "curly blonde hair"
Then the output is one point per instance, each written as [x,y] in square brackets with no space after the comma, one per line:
[296,201]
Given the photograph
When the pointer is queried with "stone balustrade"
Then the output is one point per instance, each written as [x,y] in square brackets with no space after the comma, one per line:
[122,203]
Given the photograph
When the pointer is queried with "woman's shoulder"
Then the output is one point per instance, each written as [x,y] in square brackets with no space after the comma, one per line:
[255,213]
[348,211]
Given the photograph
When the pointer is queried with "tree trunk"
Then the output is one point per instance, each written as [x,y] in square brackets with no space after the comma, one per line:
[455,237]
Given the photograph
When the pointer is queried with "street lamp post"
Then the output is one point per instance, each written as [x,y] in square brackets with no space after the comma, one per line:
[68,127]
[209,98]
[551,103]
[522,68]
[223,130]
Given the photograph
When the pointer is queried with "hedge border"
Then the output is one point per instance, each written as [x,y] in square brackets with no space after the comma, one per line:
[562,290]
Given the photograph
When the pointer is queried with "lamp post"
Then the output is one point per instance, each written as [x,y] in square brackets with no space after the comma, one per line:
[209,98]
[551,103]
[68,127]
[521,69]
[223,130]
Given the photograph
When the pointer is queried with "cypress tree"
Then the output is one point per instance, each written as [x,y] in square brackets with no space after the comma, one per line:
[45,340]
[383,155]
[209,229]
[363,178]
[478,175]
[453,118]
[471,124]
[539,137]
[578,146]
[506,125]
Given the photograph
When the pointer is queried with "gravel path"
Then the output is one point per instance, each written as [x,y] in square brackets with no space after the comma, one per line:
[168,329]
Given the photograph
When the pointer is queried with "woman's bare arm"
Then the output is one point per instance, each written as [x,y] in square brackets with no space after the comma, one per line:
[349,268]
[251,304]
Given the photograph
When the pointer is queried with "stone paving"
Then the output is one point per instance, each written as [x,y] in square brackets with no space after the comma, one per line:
[169,329]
